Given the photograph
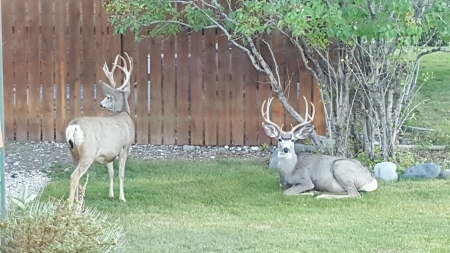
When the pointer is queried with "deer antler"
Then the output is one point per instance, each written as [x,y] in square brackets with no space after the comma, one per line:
[308,118]
[110,73]
[266,115]
[126,70]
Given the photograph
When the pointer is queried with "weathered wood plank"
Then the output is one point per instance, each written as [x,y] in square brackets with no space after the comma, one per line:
[61,71]
[210,87]
[155,92]
[183,82]
[8,69]
[21,71]
[88,58]
[223,101]
[196,88]
[169,89]
[34,84]
[47,47]
[237,96]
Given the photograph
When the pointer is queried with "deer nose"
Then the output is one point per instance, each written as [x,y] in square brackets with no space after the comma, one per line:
[285,150]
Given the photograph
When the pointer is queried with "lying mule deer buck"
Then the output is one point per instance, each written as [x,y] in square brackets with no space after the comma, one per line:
[103,139]
[304,173]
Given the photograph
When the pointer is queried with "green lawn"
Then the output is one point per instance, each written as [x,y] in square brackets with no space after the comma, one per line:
[435,113]
[237,206]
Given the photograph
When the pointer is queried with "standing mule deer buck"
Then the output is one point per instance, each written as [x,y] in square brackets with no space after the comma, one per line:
[304,173]
[104,138]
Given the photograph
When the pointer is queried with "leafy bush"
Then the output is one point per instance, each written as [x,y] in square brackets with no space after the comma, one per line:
[56,226]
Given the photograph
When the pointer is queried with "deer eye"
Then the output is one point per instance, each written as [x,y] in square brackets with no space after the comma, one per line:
[279,139]
[292,140]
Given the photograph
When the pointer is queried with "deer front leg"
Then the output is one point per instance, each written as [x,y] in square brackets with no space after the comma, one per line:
[299,188]
[122,160]
[111,179]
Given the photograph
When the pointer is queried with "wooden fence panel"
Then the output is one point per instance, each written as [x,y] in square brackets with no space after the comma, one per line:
[155,92]
[183,84]
[47,46]
[196,89]
[209,84]
[8,70]
[34,85]
[223,101]
[201,91]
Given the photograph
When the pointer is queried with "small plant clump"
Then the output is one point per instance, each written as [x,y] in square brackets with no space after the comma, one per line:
[264,147]
[57,226]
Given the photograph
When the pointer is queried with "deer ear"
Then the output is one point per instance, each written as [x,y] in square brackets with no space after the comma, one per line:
[105,88]
[304,132]
[270,130]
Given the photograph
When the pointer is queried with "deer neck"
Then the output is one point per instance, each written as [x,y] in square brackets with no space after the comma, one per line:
[286,162]
[122,105]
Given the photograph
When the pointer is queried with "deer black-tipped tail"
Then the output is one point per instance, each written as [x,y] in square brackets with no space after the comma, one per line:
[71,132]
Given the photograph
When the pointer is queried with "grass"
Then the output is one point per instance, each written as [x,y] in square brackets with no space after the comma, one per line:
[237,206]
[435,112]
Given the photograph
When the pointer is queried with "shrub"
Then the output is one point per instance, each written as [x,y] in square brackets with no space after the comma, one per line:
[56,226]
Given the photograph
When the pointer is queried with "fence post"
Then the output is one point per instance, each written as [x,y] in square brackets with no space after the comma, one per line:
[2,129]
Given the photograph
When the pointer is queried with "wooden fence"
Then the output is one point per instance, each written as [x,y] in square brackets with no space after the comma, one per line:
[193,88]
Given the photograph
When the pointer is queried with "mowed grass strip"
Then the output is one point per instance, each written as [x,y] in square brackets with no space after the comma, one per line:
[237,206]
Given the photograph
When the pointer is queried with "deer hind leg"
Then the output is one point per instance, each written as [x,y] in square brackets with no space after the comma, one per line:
[111,179]
[122,160]
[347,181]
[80,169]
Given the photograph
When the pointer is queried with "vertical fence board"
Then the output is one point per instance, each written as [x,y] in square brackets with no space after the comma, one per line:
[319,119]
[101,48]
[237,98]
[142,93]
[291,79]
[47,70]
[277,46]
[265,90]
[252,112]
[209,84]
[73,55]
[196,89]
[155,92]
[21,70]
[88,60]
[305,91]
[129,46]
[8,69]
[34,113]
[223,86]
[182,94]
[169,90]
[60,68]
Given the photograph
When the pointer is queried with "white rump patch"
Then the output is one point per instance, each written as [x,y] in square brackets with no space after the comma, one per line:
[75,134]
[372,186]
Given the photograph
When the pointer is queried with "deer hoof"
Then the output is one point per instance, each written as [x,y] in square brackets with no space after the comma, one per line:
[122,200]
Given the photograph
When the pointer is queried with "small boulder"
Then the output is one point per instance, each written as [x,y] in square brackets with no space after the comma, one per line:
[386,171]
[188,148]
[422,171]
[445,174]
